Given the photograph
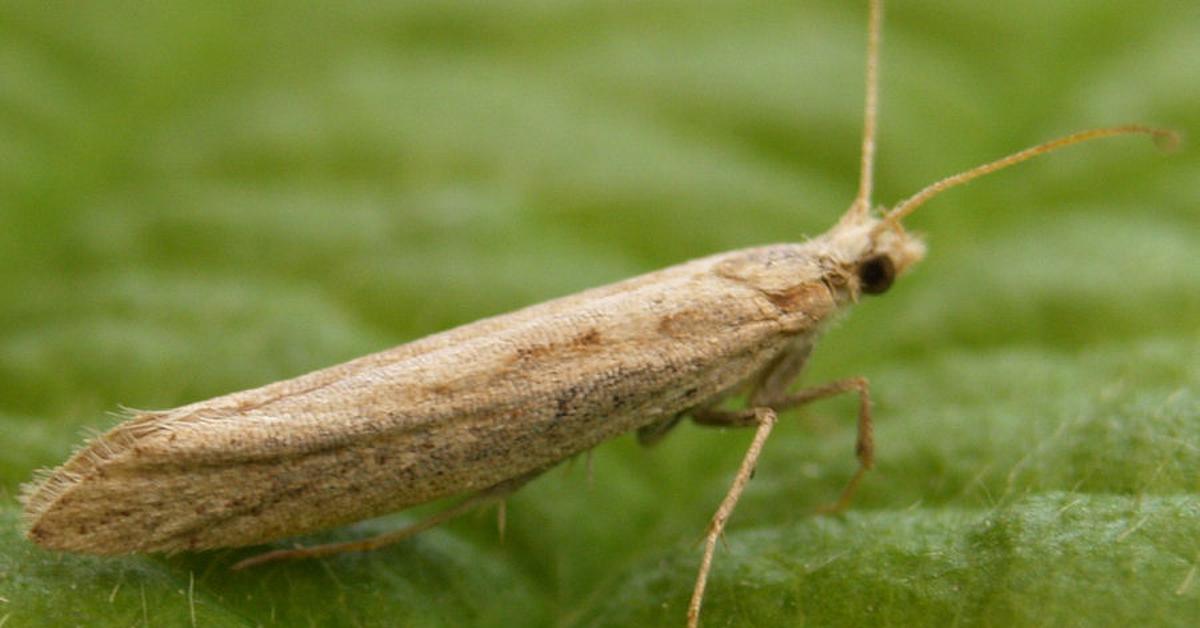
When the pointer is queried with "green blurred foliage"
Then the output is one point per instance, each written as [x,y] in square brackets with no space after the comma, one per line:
[197,198]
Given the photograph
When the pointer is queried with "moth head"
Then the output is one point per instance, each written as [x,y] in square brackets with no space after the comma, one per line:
[868,254]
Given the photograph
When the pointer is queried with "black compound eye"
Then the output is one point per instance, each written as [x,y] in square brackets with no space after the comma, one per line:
[875,275]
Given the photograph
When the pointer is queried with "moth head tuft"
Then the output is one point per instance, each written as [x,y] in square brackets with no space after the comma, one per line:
[871,253]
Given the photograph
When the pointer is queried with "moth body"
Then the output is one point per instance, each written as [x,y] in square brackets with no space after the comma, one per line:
[452,413]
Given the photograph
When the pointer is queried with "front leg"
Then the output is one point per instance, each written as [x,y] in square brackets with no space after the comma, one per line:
[864,444]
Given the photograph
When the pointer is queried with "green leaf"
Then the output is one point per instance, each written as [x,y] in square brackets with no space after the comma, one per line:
[198,198]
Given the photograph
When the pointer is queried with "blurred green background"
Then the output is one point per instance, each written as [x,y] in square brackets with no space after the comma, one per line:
[201,197]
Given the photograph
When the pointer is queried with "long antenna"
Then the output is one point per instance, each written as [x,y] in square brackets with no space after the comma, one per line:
[862,202]
[1166,138]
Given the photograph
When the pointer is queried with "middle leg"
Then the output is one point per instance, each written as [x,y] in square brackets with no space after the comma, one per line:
[864,444]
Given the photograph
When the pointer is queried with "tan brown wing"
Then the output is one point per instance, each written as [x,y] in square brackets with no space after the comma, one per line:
[449,414]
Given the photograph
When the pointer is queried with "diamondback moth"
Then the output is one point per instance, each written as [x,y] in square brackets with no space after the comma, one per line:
[479,410]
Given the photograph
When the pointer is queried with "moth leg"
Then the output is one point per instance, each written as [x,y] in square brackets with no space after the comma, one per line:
[648,435]
[864,446]
[710,417]
[501,517]
[764,419]
[494,493]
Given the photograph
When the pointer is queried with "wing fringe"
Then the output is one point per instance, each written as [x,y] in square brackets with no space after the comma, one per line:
[48,485]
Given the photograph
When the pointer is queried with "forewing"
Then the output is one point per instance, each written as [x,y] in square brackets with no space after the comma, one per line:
[452,413]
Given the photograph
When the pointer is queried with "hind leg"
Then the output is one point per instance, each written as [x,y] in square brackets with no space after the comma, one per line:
[488,495]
